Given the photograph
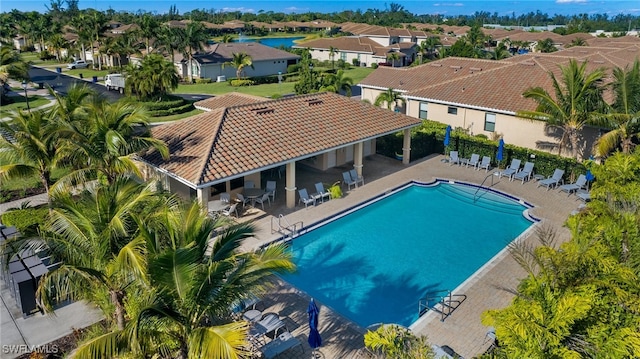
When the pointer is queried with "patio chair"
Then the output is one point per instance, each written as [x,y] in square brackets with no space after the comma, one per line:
[553,180]
[263,199]
[229,211]
[575,186]
[486,163]
[284,342]
[249,184]
[270,322]
[513,168]
[473,161]
[348,180]
[242,199]
[526,172]
[355,177]
[584,195]
[453,158]
[321,192]
[271,189]
[304,197]
[225,197]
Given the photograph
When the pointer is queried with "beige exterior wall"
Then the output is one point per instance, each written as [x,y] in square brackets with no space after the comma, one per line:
[261,68]
[323,55]
[179,188]
[338,157]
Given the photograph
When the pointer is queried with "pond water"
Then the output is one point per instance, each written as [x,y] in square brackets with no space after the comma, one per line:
[273,41]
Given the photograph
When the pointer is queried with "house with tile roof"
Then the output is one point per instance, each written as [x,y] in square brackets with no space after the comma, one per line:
[483,96]
[218,150]
[212,61]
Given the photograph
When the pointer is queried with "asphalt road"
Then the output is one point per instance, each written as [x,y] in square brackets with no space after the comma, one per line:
[61,82]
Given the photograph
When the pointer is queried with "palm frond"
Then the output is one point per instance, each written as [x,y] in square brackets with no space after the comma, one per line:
[227,341]
[109,345]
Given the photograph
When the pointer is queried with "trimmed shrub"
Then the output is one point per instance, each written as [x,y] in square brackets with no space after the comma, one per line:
[241,82]
[166,103]
[27,221]
[293,68]
[374,66]
[204,81]
[172,111]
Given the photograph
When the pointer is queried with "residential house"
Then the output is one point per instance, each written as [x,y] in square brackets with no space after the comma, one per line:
[218,150]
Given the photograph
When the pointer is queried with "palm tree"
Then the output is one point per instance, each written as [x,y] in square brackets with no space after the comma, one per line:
[332,56]
[170,40]
[390,97]
[94,235]
[102,144]
[226,38]
[12,65]
[239,62]
[154,78]
[148,29]
[28,146]
[623,116]
[57,43]
[194,37]
[500,52]
[576,98]
[578,42]
[546,45]
[393,57]
[194,281]
[430,45]
[338,82]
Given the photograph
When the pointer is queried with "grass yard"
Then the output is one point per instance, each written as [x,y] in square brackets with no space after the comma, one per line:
[86,73]
[20,103]
[175,117]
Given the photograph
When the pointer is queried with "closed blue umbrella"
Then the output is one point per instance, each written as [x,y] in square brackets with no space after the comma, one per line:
[314,336]
[447,136]
[500,154]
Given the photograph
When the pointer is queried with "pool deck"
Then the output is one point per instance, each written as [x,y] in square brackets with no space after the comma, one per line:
[462,330]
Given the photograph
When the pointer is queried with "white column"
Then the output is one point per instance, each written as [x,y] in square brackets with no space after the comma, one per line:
[290,186]
[357,158]
[406,146]
[203,196]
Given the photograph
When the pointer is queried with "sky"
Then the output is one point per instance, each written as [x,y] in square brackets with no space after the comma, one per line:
[444,7]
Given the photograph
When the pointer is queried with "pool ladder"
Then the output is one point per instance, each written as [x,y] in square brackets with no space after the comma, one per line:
[445,304]
[289,231]
[475,194]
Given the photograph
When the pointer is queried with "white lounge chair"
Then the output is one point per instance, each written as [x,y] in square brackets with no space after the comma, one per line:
[512,169]
[305,198]
[454,158]
[355,177]
[284,342]
[584,195]
[526,172]
[575,186]
[346,177]
[485,163]
[263,199]
[473,161]
[269,323]
[271,189]
[552,181]
[242,199]
[230,210]
[321,192]
[225,197]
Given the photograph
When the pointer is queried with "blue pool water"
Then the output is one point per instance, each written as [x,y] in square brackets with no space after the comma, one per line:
[275,41]
[374,264]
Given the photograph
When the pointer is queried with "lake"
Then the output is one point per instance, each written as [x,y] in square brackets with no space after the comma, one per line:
[274,41]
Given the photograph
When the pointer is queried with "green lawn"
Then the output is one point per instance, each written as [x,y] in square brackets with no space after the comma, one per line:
[266,90]
[175,117]
[86,73]
[20,103]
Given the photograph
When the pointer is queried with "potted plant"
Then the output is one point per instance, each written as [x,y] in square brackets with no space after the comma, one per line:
[335,190]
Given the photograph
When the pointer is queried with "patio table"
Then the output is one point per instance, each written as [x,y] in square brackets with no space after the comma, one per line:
[252,194]
[217,205]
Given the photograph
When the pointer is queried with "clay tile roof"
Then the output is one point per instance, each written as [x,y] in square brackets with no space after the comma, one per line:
[414,78]
[223,52]
[343,43]
[228,100]
[227,142]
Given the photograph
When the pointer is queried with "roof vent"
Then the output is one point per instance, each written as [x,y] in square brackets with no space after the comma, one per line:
[528,63]
[583,51]
[262,110]
[475,68]
[436,65]
[314,101]
[598,62]
[455,67]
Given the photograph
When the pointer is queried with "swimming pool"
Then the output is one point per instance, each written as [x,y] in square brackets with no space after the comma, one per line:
[373,264]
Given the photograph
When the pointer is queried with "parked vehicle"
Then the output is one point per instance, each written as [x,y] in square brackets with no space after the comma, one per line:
[114,82]
[78,64]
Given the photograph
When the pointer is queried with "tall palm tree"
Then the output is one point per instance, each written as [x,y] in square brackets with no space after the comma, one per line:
[195,36]
[57,43]
[194,281]
[101,146]
[577,96]
[12,65]
[239,61]
[94,235]
[623,116]
[338,82]
[170,40]
[28,146]
[390,97]
[148,29]
[154,78]
[430,45]
[393,57]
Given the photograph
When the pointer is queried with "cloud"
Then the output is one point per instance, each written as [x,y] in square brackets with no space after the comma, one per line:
[240,9]
[570,1]
[296,9]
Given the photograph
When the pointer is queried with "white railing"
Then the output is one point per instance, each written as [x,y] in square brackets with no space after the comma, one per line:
[281,225]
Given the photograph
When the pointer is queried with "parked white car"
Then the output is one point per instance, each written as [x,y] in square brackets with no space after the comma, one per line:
[78,64]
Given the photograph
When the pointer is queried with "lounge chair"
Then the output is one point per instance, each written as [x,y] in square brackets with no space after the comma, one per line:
[305,198]
[355,177]
[321,192]
[553,180]
[512,169]
[485,163]
[263,199]
[230,210]
[284,342]
[584,195]
[473,161]
[348,180]
[271,189]
[526,172]
[269,323]
[453,158]
[575,186]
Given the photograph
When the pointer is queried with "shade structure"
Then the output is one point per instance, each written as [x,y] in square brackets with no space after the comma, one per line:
[314,336]
[500,154]
[447,136]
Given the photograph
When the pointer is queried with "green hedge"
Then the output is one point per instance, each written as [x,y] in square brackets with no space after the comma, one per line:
[27,221]
[428,139]
[172,111]
[165,104]
[241,82]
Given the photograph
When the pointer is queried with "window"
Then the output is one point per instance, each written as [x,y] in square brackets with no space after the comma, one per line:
[490,122]
[423,111]
[452,110]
